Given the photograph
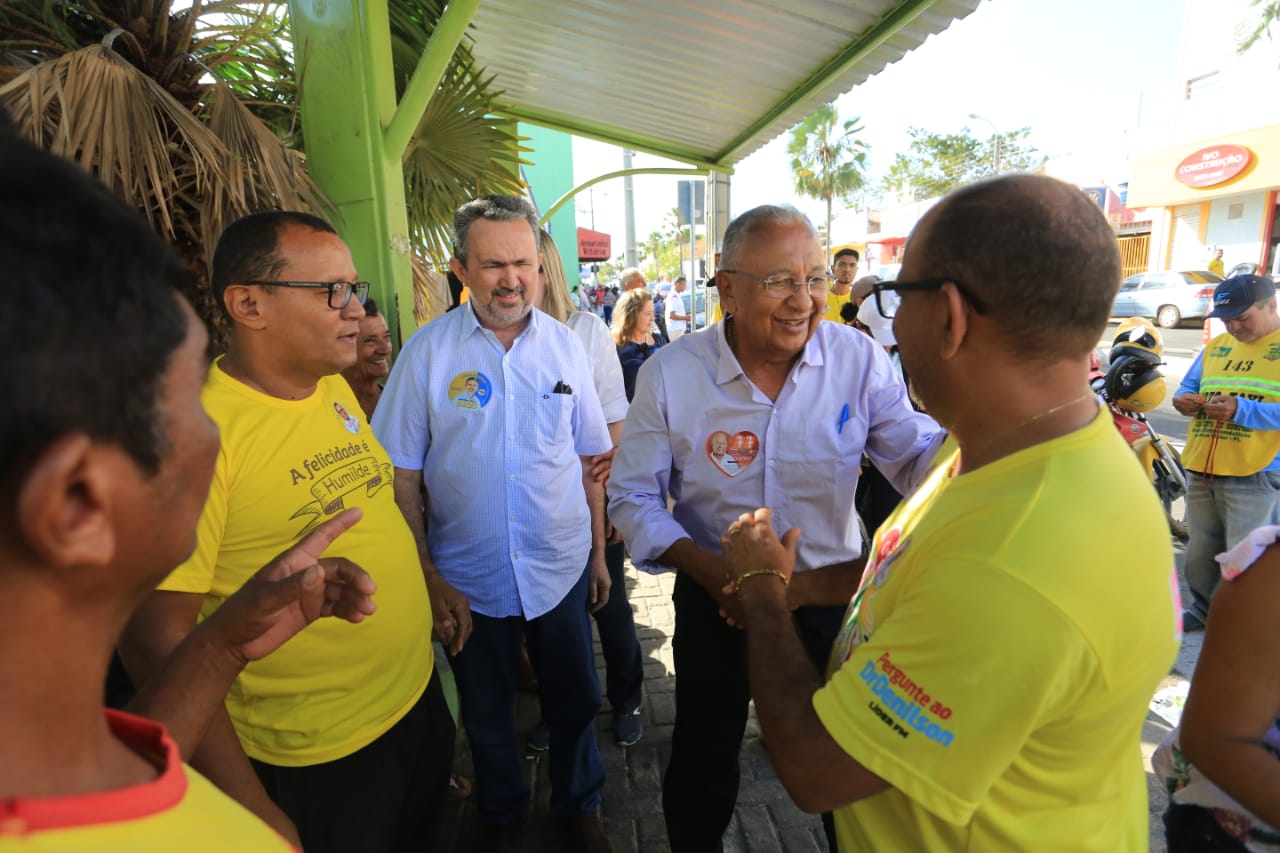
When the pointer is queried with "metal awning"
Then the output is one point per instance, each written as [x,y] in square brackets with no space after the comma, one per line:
[706,82]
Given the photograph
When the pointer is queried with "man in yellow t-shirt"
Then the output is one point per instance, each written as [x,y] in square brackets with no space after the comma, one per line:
[989,687]
[843,267]
[1216,265]
[105,479]
[344,720]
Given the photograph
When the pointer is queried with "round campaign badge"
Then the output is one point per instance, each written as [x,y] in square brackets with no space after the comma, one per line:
[470,390]
[732,453]
[350,421]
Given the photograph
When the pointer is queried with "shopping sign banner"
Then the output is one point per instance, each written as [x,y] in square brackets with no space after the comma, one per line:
[1209,167]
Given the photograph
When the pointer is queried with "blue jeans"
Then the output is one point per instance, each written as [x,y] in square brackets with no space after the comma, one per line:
[562,656]
[623,661]
[1222,511]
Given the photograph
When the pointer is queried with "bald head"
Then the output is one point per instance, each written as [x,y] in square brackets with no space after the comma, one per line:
[1035,251]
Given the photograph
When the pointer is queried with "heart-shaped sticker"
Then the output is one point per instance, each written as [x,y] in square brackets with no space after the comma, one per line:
[731,454]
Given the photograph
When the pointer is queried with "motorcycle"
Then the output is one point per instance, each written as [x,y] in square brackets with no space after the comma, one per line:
[1130,386]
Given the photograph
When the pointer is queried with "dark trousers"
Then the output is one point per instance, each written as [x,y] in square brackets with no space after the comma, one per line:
[624,664]
[700,787]
[562,656]
[383,797]
[1192,829]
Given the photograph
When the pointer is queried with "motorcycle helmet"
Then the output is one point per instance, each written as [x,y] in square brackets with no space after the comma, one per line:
[1138,336]
[1134,384]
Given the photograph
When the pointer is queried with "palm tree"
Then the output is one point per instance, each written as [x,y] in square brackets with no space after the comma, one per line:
[1251,32]
[827,159]
[190,115]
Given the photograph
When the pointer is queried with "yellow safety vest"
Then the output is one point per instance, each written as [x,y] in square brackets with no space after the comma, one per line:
[1251,371]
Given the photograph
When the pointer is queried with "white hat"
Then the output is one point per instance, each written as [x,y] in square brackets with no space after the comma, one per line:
[881,328]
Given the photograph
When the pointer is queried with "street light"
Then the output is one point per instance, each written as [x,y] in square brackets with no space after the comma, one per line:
[995,137]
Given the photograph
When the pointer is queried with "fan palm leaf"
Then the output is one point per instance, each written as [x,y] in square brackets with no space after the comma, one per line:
[94,107]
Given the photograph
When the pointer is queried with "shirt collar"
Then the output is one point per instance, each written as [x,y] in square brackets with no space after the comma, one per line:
[470,324]
[729,369]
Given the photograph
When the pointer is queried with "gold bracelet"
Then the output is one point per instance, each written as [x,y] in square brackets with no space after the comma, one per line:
[737,585]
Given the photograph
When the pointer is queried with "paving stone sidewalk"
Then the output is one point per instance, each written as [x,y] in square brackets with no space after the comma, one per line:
[765,821]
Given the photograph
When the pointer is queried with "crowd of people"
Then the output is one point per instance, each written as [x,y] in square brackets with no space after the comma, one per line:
[968,673]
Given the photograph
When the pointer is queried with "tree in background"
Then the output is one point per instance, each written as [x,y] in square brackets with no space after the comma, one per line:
[937,163]
[664,250]
[188,111]
[1268,13]
[827,159]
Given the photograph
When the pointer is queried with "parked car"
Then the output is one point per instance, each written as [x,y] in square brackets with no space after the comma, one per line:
[1167,297]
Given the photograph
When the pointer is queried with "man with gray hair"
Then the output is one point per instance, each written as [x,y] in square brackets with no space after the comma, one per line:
[631,279]
[794,403]
[493,410]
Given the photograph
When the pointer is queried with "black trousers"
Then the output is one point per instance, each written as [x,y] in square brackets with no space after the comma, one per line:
[383,797]
[700,786]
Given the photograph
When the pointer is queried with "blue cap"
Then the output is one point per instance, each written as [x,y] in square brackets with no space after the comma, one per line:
[1233,297]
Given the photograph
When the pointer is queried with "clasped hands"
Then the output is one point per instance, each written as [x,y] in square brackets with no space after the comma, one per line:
[754,555]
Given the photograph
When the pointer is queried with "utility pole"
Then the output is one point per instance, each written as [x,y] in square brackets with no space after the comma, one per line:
[629,202]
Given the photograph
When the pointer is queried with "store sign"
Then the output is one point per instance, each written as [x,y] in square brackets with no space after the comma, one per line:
[1209,167]
[593,245]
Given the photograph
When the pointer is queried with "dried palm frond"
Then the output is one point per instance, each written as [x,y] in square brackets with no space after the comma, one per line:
[101,111]
[260,173]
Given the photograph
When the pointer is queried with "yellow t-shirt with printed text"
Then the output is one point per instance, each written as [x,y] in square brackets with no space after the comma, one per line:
[1251,371]
[998,659]
[284,467]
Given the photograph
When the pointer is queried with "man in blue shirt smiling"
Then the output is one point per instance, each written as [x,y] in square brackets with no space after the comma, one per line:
[516,521]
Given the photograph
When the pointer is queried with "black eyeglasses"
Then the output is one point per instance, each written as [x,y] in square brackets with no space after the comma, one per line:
[924,284]
[782,286]
[340,292]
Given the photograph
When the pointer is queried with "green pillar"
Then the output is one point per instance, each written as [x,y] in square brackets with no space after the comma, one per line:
[348,95]
[550,176]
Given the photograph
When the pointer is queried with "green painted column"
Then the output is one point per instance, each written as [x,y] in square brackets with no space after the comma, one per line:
[550,176]
[348,95]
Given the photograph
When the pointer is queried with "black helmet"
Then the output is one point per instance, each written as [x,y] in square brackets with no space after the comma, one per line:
[1134,384]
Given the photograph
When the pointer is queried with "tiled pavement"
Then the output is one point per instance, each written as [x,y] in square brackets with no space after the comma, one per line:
[765,821]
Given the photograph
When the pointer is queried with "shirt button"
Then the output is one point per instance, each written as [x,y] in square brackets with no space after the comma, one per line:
[511,396]
[512,477]
[770,463]
[514,517]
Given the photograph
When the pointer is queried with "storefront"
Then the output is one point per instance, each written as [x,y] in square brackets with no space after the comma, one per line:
[1219,193]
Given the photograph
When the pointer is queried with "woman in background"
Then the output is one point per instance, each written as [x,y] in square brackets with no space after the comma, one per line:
[634,334]
[624,667]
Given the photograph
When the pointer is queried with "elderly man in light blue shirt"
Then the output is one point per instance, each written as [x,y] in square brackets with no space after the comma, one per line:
[771,408]
[493,410]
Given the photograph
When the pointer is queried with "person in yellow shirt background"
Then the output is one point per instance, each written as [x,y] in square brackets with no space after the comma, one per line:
[844,266]
[1216,265]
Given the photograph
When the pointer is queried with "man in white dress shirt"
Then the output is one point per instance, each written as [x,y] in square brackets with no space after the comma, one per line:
[798,403]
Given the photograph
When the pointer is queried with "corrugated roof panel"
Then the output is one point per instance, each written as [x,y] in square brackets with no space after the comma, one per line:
[706,80]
